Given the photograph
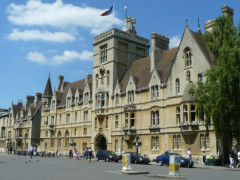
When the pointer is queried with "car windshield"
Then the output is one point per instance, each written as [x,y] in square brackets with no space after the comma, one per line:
[138,154]
[111,152]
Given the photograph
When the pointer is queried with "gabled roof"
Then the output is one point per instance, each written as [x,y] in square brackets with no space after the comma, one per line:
[186,96]
[165,63]
[203,47]
[48,89]
[141,69]
[74,85]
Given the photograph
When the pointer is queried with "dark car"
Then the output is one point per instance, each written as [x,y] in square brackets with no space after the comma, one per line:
[164,159]
[107,155]
[137,158]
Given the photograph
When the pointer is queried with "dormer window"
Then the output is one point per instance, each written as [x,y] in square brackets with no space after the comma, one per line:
[188,75]
[130,96]
[68,101]
[86,97]
[187,57]
[117,99]
[53,105]
[155,93]
[103,54]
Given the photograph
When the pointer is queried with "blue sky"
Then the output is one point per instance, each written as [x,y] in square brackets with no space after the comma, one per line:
[56,36]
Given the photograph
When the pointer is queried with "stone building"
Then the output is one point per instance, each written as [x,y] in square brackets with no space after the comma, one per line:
[131,98]
[23,123]
[3,129]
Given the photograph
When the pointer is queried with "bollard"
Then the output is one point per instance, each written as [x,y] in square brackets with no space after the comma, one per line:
[173,167]
[126,159]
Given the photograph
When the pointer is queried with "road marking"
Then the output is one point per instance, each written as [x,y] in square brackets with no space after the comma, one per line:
[114,172]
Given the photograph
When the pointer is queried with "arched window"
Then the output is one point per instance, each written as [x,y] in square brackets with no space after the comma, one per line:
[177,86]
[174,142]
[188,76]
[108,78]
[130,96]
[97,81]
[185,113]
[178,142]
[67,139]
[155,118]
[59,139]
[116,122]
[178,115]
[187,57]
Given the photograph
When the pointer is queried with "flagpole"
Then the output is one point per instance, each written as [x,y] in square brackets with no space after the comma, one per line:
[113,14]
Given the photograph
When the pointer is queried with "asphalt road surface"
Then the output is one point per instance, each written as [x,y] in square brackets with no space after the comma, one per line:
[14,167]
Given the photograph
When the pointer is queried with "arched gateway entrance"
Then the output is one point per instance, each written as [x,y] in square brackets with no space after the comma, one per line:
[100,142]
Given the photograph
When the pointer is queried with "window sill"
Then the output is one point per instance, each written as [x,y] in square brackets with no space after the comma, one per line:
[188,67]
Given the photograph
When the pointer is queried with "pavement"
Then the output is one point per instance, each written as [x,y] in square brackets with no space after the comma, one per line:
[14,167]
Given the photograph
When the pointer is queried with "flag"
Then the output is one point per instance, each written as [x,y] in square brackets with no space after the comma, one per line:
[108,12]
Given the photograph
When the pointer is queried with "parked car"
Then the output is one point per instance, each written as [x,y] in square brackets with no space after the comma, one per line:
[107,155]
[164,159]
[137,158]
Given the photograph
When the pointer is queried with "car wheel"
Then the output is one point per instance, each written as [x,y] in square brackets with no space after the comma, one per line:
[160,163]
[116,161]
[135,161]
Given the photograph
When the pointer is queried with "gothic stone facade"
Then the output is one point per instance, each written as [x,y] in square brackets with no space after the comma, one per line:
[131,97]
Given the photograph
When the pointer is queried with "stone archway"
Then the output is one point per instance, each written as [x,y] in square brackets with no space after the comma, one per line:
[100,142]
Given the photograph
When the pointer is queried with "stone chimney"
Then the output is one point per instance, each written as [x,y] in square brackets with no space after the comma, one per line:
[227,11]
[159,44]
[60,82]
[29,100]
[129,24]
[134,25]
[38,97]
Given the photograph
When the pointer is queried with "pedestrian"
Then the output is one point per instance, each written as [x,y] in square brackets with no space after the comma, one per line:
[86,154]
[35,151]
[204,157]
[238,155]
[189,157]
[31,151]
[70,153]
[57,153]
[231,159]
[89,154]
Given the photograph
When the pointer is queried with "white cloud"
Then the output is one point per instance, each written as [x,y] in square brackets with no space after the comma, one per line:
[81,72]
[28,35]
[36,57]
[58,14]
[174,41]
[72,55]
[67,56]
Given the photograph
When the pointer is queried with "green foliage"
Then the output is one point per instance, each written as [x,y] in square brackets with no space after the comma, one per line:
[218,98]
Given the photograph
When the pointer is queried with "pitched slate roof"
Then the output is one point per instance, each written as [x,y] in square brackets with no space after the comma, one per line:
[141,69]
[186,96]
[48,89]
[203,47]
[80,84]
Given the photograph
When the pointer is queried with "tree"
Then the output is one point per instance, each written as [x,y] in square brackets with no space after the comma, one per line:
[218,98]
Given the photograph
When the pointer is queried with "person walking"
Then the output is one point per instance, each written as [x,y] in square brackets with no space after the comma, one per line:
[70,153]
[57,153]
[31,151]
[189,157]
[231,159]
[238,155]
[89,154]
[86,154]
[204,157]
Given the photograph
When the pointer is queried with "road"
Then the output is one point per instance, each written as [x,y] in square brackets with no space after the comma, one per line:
[14,167]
